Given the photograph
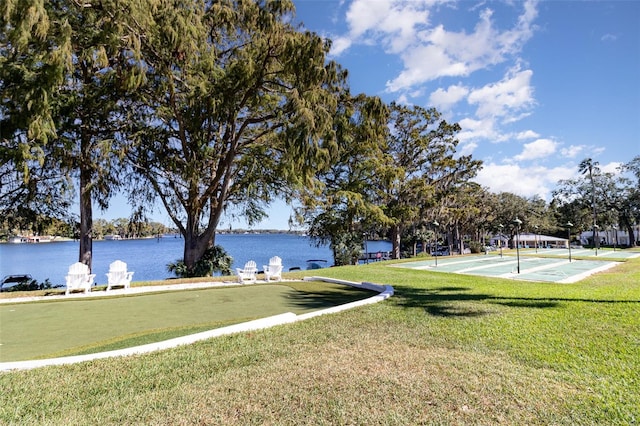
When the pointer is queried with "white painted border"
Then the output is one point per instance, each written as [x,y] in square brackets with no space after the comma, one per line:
[385,291]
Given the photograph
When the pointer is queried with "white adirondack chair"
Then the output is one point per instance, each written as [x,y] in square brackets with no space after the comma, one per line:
[248,273]
[274,269]
[79,278]
[118,275]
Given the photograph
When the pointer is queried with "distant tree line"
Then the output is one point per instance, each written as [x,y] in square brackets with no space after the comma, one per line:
[21,222]
[126,228]
[50,226]
[226,105]
[603,199]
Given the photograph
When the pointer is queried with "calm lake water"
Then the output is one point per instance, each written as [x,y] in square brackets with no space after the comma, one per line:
[148,258]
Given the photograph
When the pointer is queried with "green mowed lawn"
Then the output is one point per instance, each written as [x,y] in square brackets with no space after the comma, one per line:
[70,327]
[445,349]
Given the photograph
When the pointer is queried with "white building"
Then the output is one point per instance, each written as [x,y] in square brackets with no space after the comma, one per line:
[530,241]
[610,236]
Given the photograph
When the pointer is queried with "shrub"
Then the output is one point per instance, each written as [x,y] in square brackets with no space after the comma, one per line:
[475,247]
[214,259]
[347,248]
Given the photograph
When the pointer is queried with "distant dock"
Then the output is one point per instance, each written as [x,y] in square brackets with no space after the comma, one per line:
[375,256]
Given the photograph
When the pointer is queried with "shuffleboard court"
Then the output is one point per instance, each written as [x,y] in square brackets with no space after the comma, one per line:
[546,269]
[582,252]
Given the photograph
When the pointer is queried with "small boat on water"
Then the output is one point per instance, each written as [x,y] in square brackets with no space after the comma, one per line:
[24,281]
[316,263]
[19,239]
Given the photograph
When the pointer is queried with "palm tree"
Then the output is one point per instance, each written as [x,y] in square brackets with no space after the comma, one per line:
[589,166]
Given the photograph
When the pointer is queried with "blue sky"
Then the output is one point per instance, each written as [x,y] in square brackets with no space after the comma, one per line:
[537,86]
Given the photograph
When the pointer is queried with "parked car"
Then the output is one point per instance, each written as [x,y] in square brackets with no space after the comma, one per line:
[441,251]
[18,282]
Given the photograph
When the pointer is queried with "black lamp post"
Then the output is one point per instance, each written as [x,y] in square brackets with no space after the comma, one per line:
[366,255]
[536,237]
[569,225]
[597,241]
[435,233]
[500,226]
[517,222]
[615,239]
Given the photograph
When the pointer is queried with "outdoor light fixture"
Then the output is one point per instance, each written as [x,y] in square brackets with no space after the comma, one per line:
[517,222]
[569,225]
[536,237]
[500,226]
[435,233]
[366,255]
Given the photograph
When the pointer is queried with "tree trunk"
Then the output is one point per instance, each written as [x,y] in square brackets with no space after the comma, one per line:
[457,238]
[86,166]
[194,248]
[395,241]
[196,244]
[86,218]
[627,223]
[86,206]
[632,236]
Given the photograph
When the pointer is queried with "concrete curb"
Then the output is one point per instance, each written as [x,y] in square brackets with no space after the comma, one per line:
[385,291]
[132,290]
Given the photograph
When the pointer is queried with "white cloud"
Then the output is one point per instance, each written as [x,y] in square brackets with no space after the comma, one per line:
[537,149]
[609,37]
[523,181]
[479,40]
[611,168]
[466,148]
[403,28]
[514,118]
[443,99]
[513,93]
[403,100]
[477,129]
[438,53]
[425,63]
[560,172]
[530,181]
[390,21]
[572,151]
[339,45]
[527,134]
[504,99]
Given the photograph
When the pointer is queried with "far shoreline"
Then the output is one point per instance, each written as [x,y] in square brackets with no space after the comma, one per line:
[43,239]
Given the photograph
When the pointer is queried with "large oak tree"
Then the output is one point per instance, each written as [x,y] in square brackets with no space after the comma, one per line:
[30,71]
[237,108]
[65,66]
[345,206]
[424,167]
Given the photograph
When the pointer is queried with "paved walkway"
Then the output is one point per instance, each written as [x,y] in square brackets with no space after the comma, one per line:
[131,290]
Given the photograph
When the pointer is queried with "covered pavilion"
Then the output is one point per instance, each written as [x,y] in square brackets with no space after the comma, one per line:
[527,240]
